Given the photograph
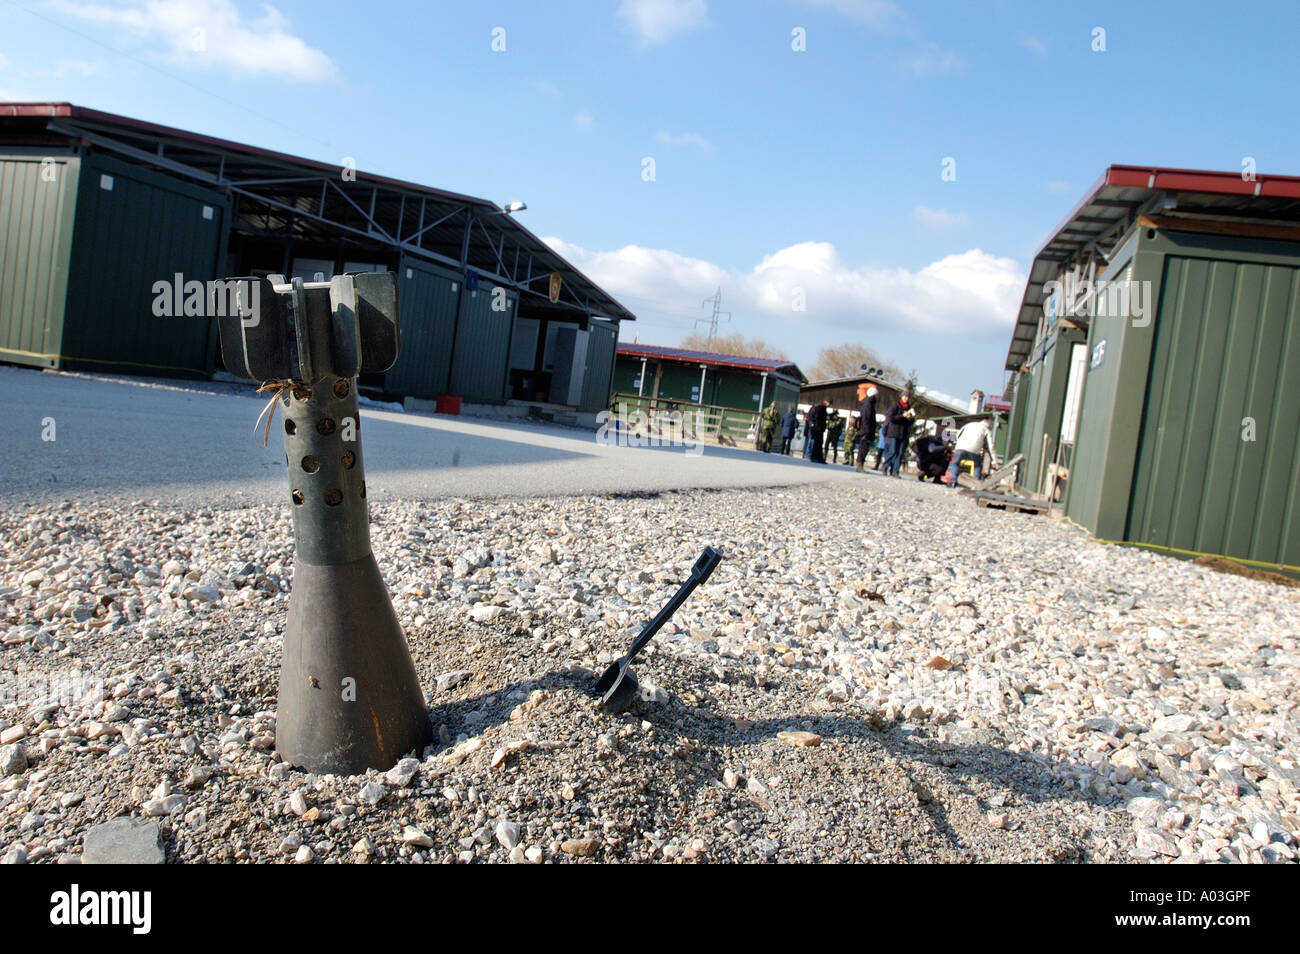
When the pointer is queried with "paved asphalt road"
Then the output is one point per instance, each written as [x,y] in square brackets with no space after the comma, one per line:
[184,445]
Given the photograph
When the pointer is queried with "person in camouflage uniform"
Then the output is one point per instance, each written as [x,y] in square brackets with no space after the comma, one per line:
[850,440]
[767,428]
[834,428]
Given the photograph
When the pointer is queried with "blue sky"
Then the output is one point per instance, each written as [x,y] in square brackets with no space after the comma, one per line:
[780,175]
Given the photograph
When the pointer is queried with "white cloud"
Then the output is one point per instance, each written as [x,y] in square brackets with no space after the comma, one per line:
[940,218]
[203,32]
[669,281]
[875,13]
[1057,185]
[1032,43]
[658,20]
[583,119]
[684,139]
[933,60]
[546,86]
[970,293]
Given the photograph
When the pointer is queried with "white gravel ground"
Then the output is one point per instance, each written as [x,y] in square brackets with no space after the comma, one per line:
[984,686]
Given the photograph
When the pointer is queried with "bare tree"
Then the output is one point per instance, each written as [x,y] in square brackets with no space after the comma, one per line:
[731,344]
[846,361]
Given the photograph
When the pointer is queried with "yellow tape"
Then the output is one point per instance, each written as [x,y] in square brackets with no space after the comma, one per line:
[64,357]
[1190,553]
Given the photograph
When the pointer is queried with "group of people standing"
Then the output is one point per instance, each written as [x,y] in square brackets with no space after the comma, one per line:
[893,436]
[823,428]
[940,455]
[771,420]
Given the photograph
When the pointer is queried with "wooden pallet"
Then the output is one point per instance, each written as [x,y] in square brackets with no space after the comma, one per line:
[986,498]
[1004,474]
[1007,470]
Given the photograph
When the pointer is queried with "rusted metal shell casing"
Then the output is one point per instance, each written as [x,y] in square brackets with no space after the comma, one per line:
[349,696]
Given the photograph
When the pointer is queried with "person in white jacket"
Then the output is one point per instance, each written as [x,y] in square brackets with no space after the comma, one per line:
[972,440]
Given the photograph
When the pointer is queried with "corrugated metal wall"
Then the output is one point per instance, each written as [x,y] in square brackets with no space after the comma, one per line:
[37,205]
[1030,397]
[727,387]
[786,396]
[1014,431]
[482,349]
[678,382]
[735,388]
[146,228]
[627,370]
[1043,417]
[1226,353]
[1119,349]
[602,343]
[427,300]
[1000,442]
[523,347]
[81,251]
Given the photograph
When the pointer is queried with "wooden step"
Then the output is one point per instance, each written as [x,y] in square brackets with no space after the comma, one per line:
[986,498]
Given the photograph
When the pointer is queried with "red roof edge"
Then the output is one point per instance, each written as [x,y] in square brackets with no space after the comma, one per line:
[36,109]
[1179,180]
[1200,180]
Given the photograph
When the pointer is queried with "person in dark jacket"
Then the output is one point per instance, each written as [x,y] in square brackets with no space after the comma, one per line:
[817,431]
[932,456]
[866,427]
[898,427]
[788,424]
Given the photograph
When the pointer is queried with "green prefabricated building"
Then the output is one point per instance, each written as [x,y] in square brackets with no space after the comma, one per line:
[1014,430]
[428,296]
[1000,443]
[481,354]
[731,381]
[1039,409]
[1188,435]
[602,347]
[111,229]
[680,382]
[454,341]
[744,390]
[1196,416]
[85,241]
[784,393]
